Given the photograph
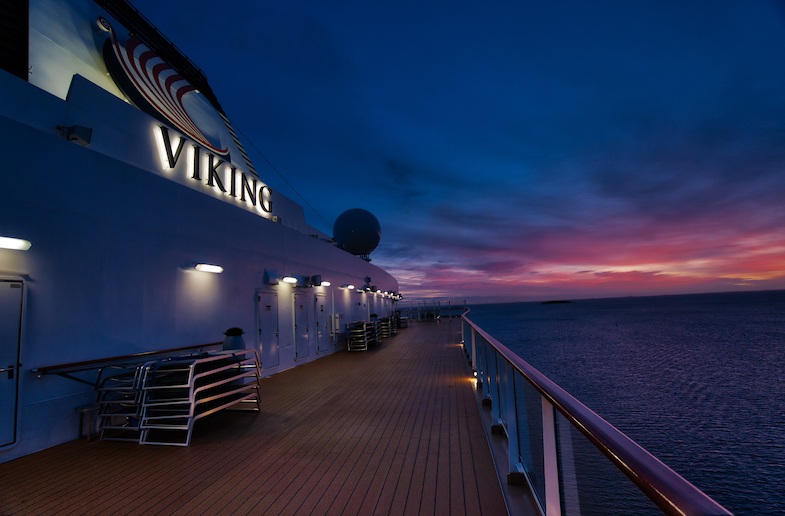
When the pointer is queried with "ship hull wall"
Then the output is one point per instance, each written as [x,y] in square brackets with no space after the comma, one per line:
[110,271]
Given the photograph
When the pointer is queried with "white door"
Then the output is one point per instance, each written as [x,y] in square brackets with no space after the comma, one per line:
[10,332]
[267,308]
[322,319]
[301,326]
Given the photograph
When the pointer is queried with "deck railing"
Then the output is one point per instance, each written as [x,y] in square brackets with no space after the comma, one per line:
[573,460]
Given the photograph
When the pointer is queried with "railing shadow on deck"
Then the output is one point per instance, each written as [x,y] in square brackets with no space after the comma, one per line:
[572,460]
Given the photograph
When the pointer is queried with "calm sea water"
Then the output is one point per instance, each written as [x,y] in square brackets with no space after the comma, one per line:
[697,380]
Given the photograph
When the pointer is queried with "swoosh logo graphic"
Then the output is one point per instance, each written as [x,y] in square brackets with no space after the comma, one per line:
[160,85]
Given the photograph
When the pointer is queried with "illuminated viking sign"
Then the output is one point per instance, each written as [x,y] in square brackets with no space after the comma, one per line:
[210,170]
[159,90]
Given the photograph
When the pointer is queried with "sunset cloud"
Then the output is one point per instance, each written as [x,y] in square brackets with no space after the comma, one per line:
[514,153]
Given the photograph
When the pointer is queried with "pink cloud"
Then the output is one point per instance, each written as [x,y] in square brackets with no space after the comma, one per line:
[607,262]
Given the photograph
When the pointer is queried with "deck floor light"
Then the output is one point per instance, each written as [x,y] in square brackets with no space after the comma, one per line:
[17,244]
[206,267]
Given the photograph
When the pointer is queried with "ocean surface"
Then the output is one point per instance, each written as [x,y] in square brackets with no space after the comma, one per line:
[697,380]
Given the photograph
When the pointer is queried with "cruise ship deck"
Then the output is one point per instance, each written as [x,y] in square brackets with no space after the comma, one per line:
[393,430]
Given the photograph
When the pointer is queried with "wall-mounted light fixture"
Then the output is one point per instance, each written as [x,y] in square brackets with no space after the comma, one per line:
[348,287]
[325,284]
[17,244]
[290,279]
[206,267]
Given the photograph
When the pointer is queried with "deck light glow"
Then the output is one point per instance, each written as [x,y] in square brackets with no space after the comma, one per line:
[290,279]
[17,244]
[206,267]
[348,287]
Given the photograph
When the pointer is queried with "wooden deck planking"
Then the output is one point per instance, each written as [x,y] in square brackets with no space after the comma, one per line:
[395,430]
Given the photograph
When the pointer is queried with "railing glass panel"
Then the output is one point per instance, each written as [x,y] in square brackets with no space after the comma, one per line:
[529,405]
[590,483]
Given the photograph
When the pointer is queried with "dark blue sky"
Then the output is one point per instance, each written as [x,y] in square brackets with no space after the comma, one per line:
[518,150]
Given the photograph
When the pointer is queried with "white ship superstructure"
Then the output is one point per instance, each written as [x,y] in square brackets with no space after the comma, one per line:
[132,220]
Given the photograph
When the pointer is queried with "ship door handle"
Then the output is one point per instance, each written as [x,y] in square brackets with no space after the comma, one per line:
[9,370]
